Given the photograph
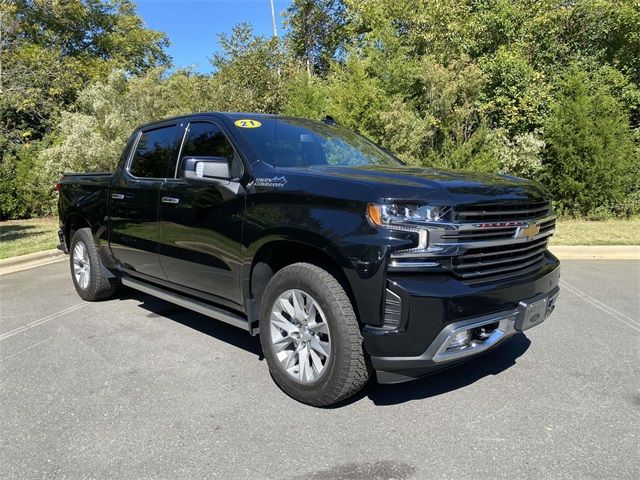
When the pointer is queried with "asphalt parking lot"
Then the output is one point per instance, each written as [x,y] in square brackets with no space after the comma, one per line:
[138,388]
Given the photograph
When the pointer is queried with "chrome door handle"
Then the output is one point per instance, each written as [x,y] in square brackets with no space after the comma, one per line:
[170,200]
[117,196]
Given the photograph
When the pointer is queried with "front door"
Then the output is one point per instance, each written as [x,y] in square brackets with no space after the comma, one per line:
[134,198]
[201,222]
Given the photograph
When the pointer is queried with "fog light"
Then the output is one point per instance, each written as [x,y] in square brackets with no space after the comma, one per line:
[459,340]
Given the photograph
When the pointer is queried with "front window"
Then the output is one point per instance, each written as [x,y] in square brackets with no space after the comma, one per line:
[204,139]
[294,142]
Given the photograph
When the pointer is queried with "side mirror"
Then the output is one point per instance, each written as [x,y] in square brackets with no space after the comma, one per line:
[205,168]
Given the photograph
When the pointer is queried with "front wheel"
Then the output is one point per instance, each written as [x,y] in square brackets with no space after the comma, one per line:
[86,269]
[310,336]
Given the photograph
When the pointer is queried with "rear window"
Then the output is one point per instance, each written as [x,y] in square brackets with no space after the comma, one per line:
[155,153]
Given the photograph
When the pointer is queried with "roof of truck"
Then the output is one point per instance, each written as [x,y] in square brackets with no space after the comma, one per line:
[229,115]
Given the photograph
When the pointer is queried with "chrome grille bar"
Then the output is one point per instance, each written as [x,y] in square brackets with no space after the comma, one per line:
[498,212]
[478,234]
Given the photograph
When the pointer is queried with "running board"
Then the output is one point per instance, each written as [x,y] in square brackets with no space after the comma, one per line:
[195,305]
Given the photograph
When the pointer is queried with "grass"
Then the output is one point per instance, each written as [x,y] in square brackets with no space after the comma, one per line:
[606,232]
[19,237]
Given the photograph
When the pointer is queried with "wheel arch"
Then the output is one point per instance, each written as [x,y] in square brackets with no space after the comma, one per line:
[276,253]
[74,222]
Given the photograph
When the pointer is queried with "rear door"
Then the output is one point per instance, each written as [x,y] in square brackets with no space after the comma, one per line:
[134,198]
[201,221]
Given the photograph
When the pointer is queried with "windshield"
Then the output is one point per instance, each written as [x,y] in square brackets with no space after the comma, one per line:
[295,142]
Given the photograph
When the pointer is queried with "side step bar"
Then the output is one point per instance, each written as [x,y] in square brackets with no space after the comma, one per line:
[195,305]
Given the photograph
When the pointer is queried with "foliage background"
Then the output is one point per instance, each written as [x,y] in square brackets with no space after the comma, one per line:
[545,89]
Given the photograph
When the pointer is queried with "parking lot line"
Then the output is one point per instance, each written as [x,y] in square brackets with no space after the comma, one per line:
[636,321]
[40,321]
[25,349]
[602,306]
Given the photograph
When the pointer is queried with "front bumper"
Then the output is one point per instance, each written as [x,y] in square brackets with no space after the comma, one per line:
[434,309]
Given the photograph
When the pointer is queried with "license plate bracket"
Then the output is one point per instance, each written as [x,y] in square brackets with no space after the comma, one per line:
[531,314]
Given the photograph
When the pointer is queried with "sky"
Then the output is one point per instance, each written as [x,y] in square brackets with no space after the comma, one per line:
[193,25]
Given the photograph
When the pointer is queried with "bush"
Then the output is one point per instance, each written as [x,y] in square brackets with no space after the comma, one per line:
[521,155]
[25,187]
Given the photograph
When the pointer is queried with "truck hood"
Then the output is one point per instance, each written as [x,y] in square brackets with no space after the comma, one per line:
[438,186]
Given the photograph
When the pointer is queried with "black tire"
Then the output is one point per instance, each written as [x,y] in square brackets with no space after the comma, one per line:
[346,371]
[98,287]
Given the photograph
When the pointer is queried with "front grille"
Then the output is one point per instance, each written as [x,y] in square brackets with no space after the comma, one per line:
[500,212]
[485,242]
[512,258]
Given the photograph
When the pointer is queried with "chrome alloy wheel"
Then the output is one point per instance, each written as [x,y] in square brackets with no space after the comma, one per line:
[300,335]
[81,266]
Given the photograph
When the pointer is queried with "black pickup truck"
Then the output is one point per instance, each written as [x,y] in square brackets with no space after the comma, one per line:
[345,260]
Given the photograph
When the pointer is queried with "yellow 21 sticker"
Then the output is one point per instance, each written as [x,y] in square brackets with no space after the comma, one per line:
[246,123]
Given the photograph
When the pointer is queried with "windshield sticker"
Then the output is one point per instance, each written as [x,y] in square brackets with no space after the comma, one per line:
[278,182]
[247,123]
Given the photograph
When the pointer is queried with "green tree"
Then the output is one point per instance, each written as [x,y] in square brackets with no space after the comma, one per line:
[49,50]
[251,72]
[317,30]
[590,149]
[306,96]
[516,94]
[356,98]
[107,112]
[481,85]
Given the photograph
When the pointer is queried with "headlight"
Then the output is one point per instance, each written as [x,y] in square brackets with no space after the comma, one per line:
[407,217]
[403,214]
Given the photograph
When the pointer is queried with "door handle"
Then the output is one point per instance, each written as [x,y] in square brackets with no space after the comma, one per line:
[117,196]
[170,200]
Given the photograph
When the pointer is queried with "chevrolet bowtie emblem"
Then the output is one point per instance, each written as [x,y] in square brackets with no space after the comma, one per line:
[528,232]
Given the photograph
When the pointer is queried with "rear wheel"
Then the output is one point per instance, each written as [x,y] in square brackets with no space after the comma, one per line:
[310,336]
[86,269]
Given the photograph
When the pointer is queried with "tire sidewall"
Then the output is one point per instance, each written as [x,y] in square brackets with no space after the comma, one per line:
[299,277]
[82,236]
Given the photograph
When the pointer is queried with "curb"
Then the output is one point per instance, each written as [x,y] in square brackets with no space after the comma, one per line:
[599,252]
[31,260]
